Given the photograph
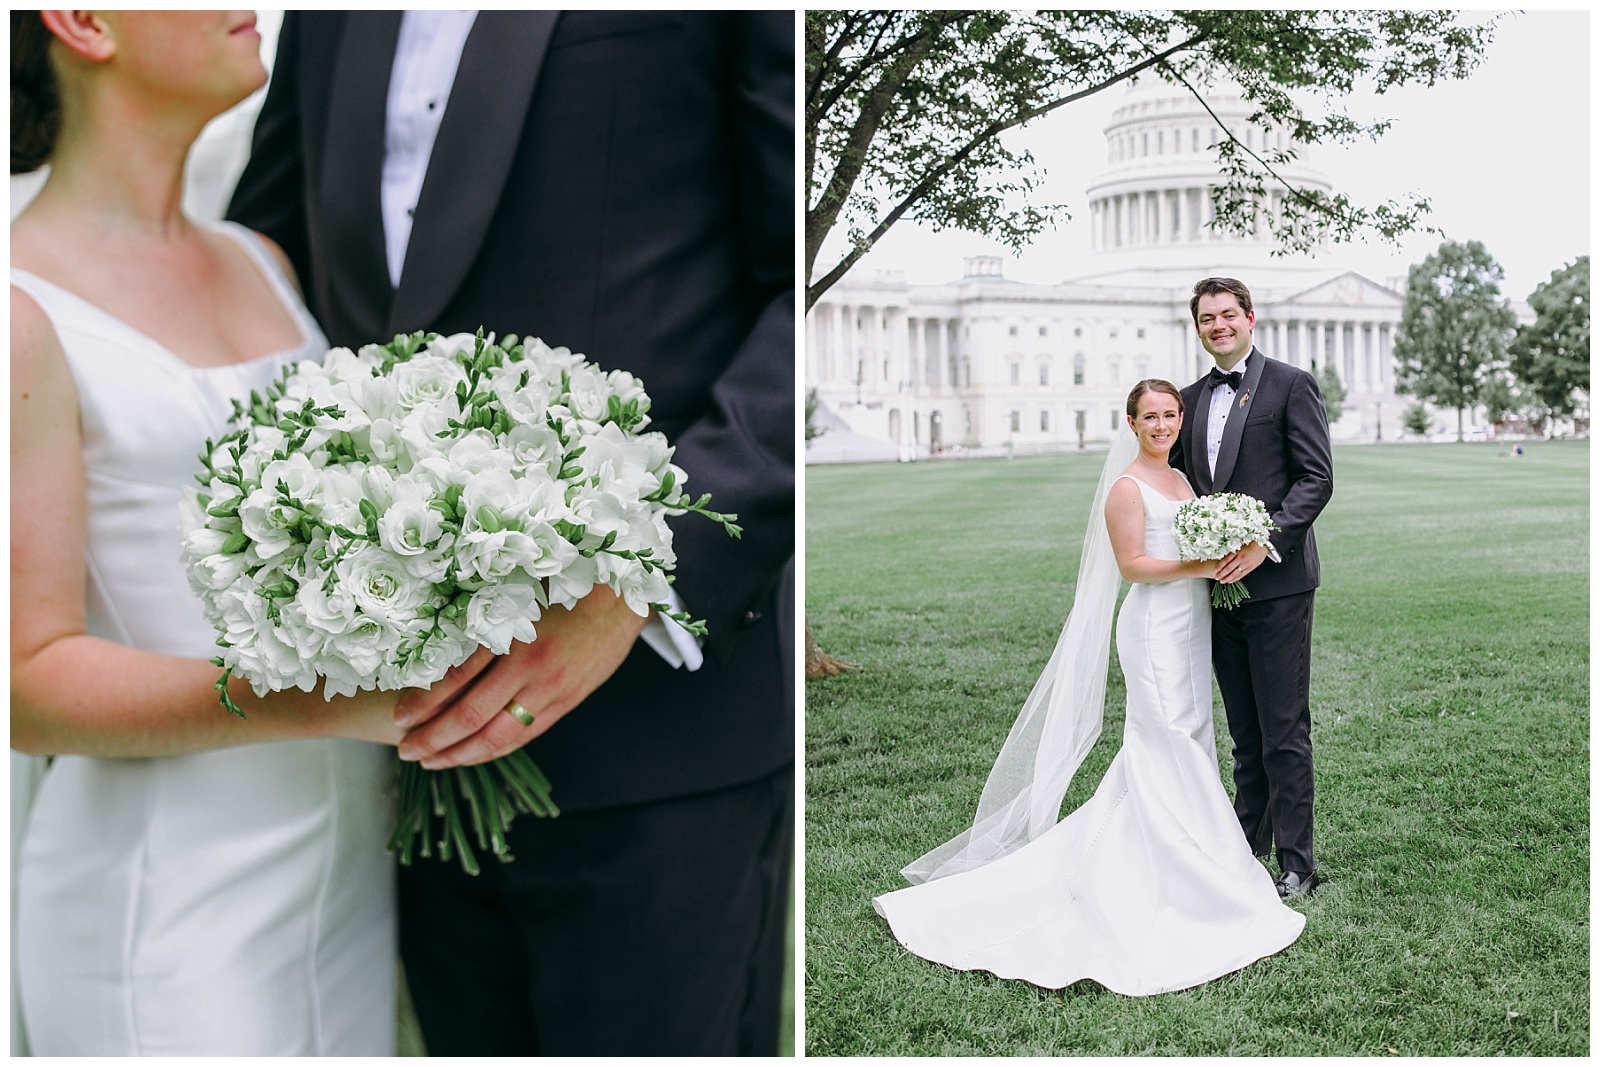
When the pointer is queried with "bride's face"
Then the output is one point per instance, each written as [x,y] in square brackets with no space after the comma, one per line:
[1157,422]
[210,59]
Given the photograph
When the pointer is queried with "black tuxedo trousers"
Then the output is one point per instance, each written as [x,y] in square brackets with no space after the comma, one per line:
[1261,654]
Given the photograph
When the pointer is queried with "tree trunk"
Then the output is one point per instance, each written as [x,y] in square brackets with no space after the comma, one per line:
[1461,434]
[818,663]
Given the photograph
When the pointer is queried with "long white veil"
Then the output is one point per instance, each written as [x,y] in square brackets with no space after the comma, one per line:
[1061,719]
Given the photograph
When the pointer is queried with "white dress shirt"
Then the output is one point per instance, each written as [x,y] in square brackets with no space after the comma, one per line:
[426,57]
[425,60]
[1221,404]
[1222,395]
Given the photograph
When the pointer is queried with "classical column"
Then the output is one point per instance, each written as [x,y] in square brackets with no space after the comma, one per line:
[1385,355]
[914,354]
[946,375]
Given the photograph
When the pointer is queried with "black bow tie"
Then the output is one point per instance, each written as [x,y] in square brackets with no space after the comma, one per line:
[1232,377]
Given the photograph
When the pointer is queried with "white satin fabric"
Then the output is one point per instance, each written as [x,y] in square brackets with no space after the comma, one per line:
[234,902]
[1149,886]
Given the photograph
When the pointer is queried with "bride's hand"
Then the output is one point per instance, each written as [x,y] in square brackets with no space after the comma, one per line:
[367,716]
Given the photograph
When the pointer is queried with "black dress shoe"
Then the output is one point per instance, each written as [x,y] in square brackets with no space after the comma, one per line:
[1292,885]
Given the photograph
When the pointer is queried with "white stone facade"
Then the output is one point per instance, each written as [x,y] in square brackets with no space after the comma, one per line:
[989,364]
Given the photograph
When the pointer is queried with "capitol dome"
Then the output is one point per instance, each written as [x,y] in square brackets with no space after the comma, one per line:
[1150,210]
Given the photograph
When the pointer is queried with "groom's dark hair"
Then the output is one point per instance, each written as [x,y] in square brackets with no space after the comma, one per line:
[1213,286]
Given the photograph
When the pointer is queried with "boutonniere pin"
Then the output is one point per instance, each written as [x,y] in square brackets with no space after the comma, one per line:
[1244,398]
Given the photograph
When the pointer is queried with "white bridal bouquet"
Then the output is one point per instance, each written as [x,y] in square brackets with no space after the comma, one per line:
[1209,527]
[374,518]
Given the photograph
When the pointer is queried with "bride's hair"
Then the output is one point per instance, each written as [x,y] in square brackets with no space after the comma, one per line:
[1152,385]
[35,98]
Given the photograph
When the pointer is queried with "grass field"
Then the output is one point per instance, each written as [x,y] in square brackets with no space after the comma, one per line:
[1450,706]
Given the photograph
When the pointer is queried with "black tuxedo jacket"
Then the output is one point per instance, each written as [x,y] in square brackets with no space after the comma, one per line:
[621,183]
[1275,447]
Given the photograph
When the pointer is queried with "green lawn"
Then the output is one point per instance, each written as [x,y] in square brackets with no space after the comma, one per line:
[1450,703]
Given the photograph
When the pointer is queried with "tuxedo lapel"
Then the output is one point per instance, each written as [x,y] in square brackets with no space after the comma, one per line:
[357,275]
[1198,467]
[471,160]
[1244,397]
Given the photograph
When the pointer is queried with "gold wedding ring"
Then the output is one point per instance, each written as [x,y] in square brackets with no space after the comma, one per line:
[520,713]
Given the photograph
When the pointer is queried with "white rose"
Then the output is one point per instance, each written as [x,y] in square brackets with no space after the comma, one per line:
[499,614]
[525,404]
[619,463]
[266,520]
[629,580]
[345,367]
[436,658]
[454,346]
[475,452]
[625,387]
[491,557]
[426,380]
[361,650]
[414,531]
[421,426]
[534,447]
[383,589]
[587,393]
[217,572]
[330,612]
[573,583]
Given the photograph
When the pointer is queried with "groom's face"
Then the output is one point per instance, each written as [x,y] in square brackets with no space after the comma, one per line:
[1225,328]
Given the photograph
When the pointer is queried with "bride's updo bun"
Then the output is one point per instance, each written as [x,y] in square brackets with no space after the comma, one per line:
[35,99]
[1152,385]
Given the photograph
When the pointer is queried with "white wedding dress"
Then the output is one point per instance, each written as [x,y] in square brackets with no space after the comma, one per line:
[232,902]
[1149,886]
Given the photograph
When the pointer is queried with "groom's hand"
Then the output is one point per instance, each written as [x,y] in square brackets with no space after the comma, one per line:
[463,719]
[1235,565]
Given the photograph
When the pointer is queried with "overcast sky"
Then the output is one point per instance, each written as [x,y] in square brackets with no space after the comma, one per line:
[1503,156]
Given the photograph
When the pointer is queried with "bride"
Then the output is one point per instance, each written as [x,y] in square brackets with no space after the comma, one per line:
[1149,886]
[186,883]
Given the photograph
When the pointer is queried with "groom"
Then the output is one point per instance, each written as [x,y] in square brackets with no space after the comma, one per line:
[620,183]
[1257,426]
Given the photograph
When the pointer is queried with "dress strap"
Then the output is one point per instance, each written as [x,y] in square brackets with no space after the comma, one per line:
[255,246]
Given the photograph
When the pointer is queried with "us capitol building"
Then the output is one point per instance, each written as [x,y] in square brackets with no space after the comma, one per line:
[988,364]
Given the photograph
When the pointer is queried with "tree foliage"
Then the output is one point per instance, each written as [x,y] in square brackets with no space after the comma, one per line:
[812,428]
[1416,419]
[1455,329]
[1333,391]
[1550,356]
[905,110]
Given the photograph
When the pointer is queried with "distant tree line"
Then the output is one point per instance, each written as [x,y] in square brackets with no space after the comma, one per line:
[1459,345]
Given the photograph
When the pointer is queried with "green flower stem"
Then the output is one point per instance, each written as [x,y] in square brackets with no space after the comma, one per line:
[1228,595]
[494,794]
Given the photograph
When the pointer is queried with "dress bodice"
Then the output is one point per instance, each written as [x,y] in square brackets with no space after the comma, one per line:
[236,901]
[1159,513]
[144,416]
